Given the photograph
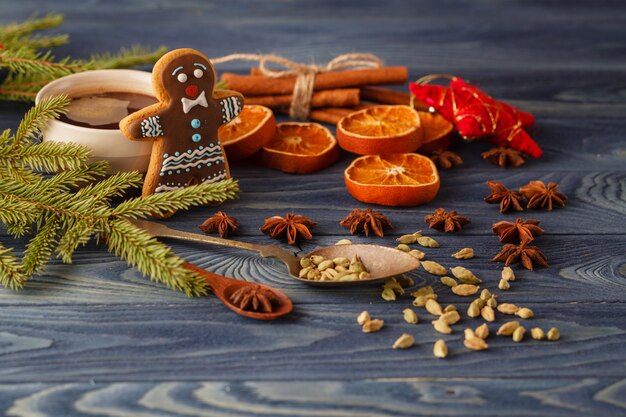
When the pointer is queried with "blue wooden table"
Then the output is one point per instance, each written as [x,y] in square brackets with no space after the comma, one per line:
[97,338]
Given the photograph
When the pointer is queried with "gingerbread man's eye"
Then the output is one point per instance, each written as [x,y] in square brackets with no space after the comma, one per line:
[198,73]
[182,77]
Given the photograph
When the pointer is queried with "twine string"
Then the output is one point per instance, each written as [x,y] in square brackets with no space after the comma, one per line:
[305,74]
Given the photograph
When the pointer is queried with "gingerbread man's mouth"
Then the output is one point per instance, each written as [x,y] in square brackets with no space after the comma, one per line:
[191,91]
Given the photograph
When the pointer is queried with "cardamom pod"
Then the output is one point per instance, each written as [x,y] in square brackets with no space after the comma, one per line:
[553,334]
[407,239]
[473,310]
[417,254]
[405,281]
[504,284]
[364,275]
[410,316]
[372,326]
[340,261]
[450,282]
[363,317]
[465,275]
[420,300]
[305,271]
[427,242]
[442,327]
[434,268]
[518,334]
[405,341]
[305,262]
[488,314]
[491,301]
[465,290]
[451,317]
[317,259]
[507,308]
[485,294]
[347,277]
[508,328]
[482,331]
[440,349]
[537,334]
[388,294]
[403,247]
[475,343]
[465,253]
[433,307]
[508,274]
[325,265]
[423,291]
[344,242]
[469,333]
[449,307]
[524,313]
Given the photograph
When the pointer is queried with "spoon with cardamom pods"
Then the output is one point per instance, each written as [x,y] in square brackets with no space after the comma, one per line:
[248,299]
[337,265]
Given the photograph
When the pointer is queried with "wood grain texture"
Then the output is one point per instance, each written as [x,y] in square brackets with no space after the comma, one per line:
[97,338]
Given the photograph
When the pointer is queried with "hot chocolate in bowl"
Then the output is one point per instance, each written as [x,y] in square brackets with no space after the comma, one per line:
[100,99]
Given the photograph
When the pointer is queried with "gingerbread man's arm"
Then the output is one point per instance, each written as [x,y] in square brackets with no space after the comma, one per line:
[231,104]
[145,124]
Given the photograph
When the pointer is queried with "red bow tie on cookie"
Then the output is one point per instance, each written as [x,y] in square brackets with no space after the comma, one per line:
[190,104]
[477,115]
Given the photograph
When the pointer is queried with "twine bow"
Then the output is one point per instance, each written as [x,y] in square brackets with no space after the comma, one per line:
[305,74]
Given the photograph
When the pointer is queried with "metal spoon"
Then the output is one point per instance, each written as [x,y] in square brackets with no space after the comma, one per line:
[381,261]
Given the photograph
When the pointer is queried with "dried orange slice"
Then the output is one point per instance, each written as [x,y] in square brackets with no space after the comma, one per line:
[300,148]
[406,179]
[438,133]
[380,129]
[248,132]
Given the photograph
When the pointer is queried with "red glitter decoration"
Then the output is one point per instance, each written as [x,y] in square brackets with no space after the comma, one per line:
[477,115]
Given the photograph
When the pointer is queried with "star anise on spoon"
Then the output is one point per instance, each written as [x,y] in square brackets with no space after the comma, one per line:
[445,159]
[254,298]
[529,256]
[292,227]
[221,223]
[448,221]
[521,231]
[364,221]
[540,196]
[504,157]
[508,199]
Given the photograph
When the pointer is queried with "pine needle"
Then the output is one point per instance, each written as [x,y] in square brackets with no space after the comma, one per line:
[38,117]
[39,250]
[11,275]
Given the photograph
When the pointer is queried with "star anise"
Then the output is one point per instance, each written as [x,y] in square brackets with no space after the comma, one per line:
[508,199]
[220,223]
[521,231]
[255,298]
[445,159]
[529,256]
[540,196]
[448,221]
[362,221]
[504,157]
[292,227]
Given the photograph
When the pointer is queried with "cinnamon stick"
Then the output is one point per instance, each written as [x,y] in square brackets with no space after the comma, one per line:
[387,96]
[345,97]
[330,115]
[259,85]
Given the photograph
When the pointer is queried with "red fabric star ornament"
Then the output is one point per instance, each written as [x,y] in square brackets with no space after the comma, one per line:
[477,115]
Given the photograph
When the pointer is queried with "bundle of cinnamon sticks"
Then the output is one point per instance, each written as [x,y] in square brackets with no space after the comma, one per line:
[335,93]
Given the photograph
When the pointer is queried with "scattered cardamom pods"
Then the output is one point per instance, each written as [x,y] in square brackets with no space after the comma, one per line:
[420,300]
[410,316]
[465,290]
[508,274]
[418,254]
[482,331]
[485,294]
[465,275]
[537,334]
[518,334]
[491,301]
[475,343]
[449,307]
[465,253]
[524,313]
[388,294]
[469,333]
[325,265]
[423,291]
[434,268]
[403,247]
[442,327]
[407,239]
[372,326]
[508,328]
[488,314]
[504,284]
[508,308]
[440,349]
[344,242]
[451,317]
[427,242]
[363,317]
[450,282]
[405,341]
[340,261]
[405,281]
[433,307]
[553,334]
[473,310]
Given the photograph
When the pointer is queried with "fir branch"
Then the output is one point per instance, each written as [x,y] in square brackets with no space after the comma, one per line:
[38,117]
[113,186]
[40,248]
[21,175]
[71,178]
[52,156]
[17,30]
[152,257]
[127,57]
[11,275]
[14,211]
[182,199]
[24,60]
[77,234]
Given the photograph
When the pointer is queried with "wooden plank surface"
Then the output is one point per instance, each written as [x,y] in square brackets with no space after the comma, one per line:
[96,338]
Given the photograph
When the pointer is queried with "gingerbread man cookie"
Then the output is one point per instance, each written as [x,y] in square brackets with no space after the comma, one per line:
[184,123]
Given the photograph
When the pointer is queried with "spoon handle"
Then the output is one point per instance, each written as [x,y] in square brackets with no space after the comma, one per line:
[268,251]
